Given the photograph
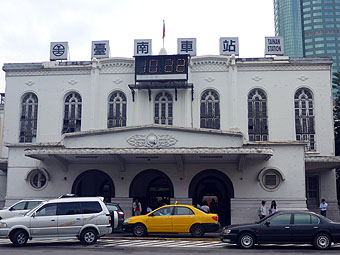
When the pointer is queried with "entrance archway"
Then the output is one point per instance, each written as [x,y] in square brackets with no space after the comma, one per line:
[152,188]
[94,183]
[213,184]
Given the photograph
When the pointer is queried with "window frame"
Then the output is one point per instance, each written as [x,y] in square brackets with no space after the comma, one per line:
[72,117]
[28,118]
[163,109]
[257,115]
[117,109]
[210,110]
[304,114]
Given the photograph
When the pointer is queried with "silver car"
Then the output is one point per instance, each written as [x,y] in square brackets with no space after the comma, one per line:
[85,218]
[19,208]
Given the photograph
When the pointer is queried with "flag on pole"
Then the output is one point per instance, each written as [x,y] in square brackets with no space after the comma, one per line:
[163,29]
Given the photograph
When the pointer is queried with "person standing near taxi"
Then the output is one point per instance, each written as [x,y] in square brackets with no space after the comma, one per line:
[137,207]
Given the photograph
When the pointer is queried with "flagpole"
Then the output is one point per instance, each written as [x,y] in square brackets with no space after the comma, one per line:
[163,31]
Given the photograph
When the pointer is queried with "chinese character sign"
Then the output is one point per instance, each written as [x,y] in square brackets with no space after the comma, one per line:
[229,46]
[274,46]
[59,51]
[100,49]
[186,46]
[142,47]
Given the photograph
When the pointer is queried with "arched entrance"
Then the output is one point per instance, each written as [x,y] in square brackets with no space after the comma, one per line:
[213,184]
[152,188]
[94,183]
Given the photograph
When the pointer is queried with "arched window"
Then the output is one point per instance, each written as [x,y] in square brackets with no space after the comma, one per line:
[257,116]
[117,110]
[163,109]
[72,113]
[210,110]
[28,119]
[304,118]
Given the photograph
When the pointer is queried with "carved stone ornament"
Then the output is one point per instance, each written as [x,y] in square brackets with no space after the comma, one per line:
[256,78]
[209,79]
[72,82]
[30,83]
[152,141]
[117,81]
[303,78]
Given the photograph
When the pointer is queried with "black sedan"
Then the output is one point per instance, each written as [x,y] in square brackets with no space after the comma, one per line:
[115,207]
[285,227]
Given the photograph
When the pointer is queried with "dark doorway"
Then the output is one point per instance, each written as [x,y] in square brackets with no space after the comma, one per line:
[94,183]
[214,185]
[152,188]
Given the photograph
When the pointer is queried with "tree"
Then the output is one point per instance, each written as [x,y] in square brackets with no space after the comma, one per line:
[336,116]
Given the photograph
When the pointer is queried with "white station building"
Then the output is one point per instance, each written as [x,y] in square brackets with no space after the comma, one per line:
[233,129]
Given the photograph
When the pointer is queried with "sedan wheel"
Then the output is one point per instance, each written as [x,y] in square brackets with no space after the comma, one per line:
[322,241]
[246,241]
[88,236]
[197,230]
[139,230]
[19,238]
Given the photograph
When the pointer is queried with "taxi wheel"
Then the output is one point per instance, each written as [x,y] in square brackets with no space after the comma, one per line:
[246,241]
[19,238]
[322,241]
[139,230]
[197,230]
[88,236]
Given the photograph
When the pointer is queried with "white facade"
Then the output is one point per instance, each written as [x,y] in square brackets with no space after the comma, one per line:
[193,159]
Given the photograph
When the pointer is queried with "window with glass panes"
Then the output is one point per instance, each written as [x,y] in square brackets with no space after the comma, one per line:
[257,116]
[163,109]
[210,110]
[28,118]
[117,110]
[72,113]
[304,118]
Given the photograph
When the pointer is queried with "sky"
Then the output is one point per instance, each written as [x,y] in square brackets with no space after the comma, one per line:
[28,26]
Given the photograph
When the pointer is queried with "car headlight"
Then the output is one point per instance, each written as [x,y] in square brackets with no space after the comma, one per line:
[3,225]
[226,231]
[127,221]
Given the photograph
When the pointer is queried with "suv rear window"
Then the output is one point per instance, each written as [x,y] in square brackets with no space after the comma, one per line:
[91,207]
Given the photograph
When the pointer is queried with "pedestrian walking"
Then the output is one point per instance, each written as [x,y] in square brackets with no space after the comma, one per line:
[262,211]
[323,207]
[273,208]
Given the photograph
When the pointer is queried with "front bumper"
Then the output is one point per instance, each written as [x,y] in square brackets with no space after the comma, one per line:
[229,238]
[4,232]
[126,227]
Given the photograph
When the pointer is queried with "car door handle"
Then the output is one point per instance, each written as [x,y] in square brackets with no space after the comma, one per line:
[287,227]
[169,217]
[316,227]
[52,220]
[190,217]
[77,218]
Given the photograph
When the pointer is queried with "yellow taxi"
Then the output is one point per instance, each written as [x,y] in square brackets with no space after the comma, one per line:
[173,219]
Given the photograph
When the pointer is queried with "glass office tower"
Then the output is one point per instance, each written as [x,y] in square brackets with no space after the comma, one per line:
[288,24]
[314,22]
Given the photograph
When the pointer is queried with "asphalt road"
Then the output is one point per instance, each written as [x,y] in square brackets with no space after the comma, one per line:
[153,245]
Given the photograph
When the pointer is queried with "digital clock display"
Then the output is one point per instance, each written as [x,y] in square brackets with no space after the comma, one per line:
[161,68]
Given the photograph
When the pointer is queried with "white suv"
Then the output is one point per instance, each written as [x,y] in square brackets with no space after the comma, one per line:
[19,208]
[85,218]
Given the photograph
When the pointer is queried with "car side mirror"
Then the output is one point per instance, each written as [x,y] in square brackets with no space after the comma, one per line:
[151,215]
[33,215]
[10,209]
[267,223]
